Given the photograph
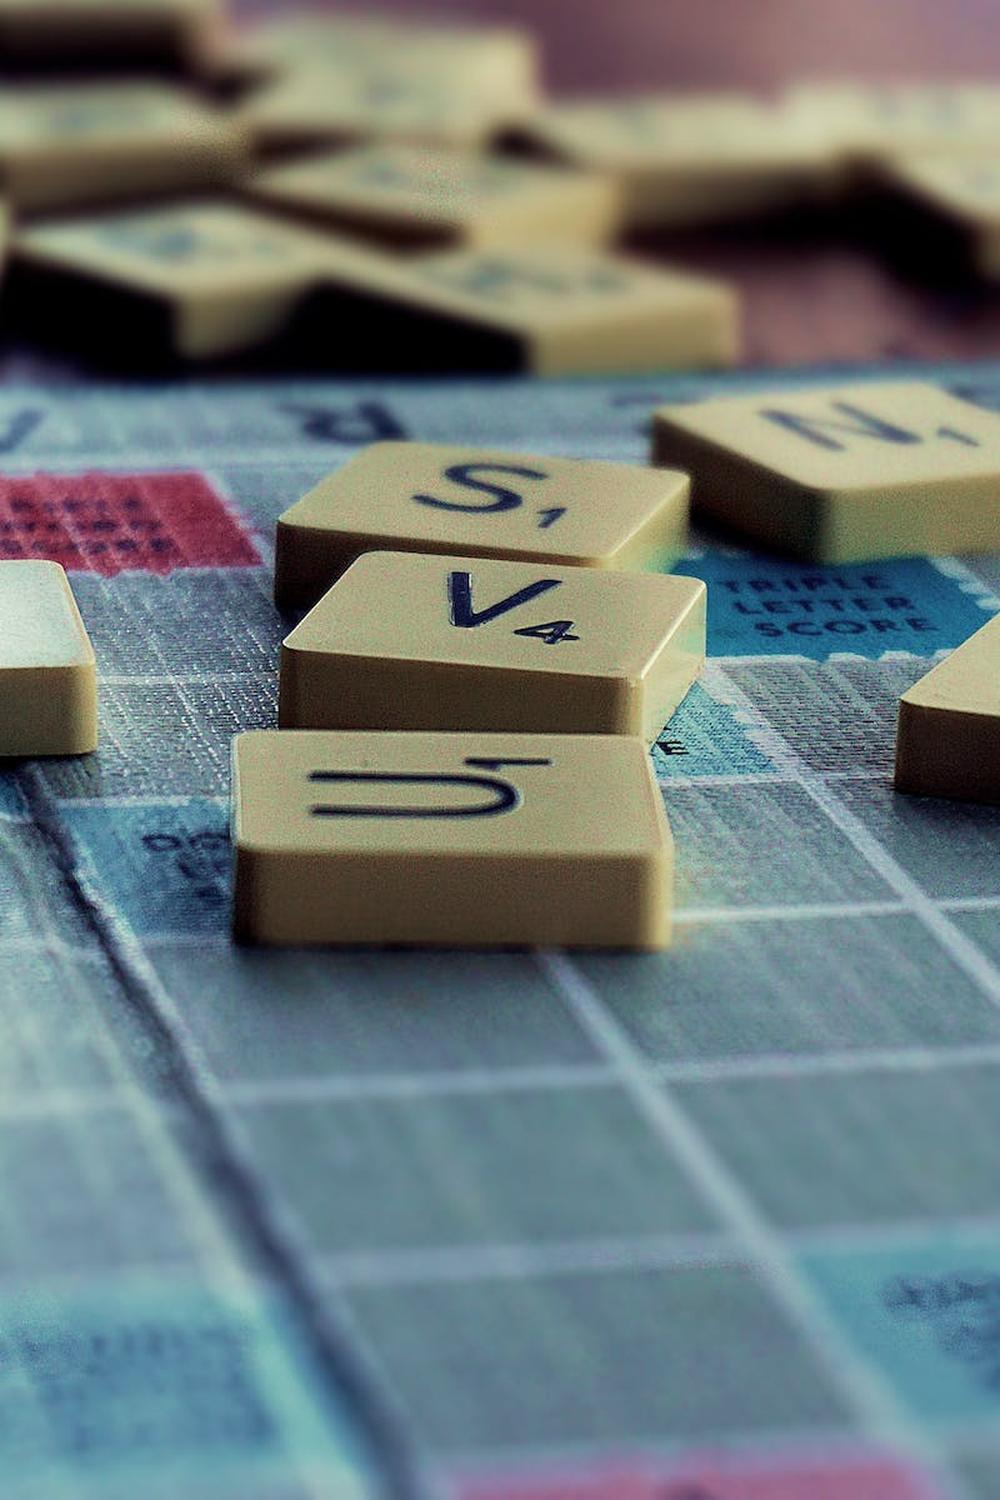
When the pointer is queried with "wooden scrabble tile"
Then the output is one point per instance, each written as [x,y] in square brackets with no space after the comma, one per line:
[548,309]
[690,159]
[413,196]
[872,121]
[333,103]
[449,840]
[48,676]
[411,641]
[948,740]
[203,279]
[843,473]
[63,146]
[963,191]
[45,31]
[478,502]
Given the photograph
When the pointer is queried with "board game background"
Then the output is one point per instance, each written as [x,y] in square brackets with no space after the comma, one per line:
[722,1224]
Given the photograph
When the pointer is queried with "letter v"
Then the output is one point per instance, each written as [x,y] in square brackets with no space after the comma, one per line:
[462,614]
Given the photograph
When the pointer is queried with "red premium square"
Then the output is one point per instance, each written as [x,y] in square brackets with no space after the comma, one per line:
[114,523]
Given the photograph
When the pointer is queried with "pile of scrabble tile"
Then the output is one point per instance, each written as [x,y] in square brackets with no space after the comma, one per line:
[372,193]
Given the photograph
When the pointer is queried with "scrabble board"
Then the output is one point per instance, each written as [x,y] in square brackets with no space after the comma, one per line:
[717,1224]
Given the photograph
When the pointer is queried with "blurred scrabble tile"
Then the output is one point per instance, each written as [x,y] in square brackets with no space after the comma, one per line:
[872,121]
[393,99]
[413,196]
[963,193]
[841,474]
[689,159]
[200,280]
[48,676]
[66,145]
[101,31]
[547,309]
[411,641]
[478,502]
[454,840]
[503,59]
[948,740]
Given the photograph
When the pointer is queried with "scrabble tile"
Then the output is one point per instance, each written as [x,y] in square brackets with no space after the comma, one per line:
[477,502]
[48,676]
[963,192]
[685,160]
[449,840]
[43,31]
[504,59]
[326,102]
[871,121]
[548,309]
[845,473]
[62,146]
[412,196]
[411,641]
[948,740]
[202,279]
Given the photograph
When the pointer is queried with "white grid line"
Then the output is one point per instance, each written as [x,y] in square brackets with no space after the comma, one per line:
[960,948]
[296,1089]
[682,916]
[527,1261]
[863,1390]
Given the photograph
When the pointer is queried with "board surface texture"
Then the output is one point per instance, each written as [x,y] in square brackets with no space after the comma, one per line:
[721,1222]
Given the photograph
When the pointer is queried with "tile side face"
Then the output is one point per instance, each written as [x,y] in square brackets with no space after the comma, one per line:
[435,840]
[423,196]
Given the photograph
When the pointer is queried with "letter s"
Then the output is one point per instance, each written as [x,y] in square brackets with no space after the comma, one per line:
[464,474]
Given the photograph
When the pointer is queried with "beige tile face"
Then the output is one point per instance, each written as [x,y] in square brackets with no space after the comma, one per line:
[967,681]
[62,146]
[465,839]
[200,247]
[338,101]
[569,310]
[63,115]
[409,641]
[505,59]
[228,277]
[881,120]
[844,473]
[556,288]
[711,130]
[966,186]
[428,497]
[948,743]
[411,194]
[684,160]
[48,687]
